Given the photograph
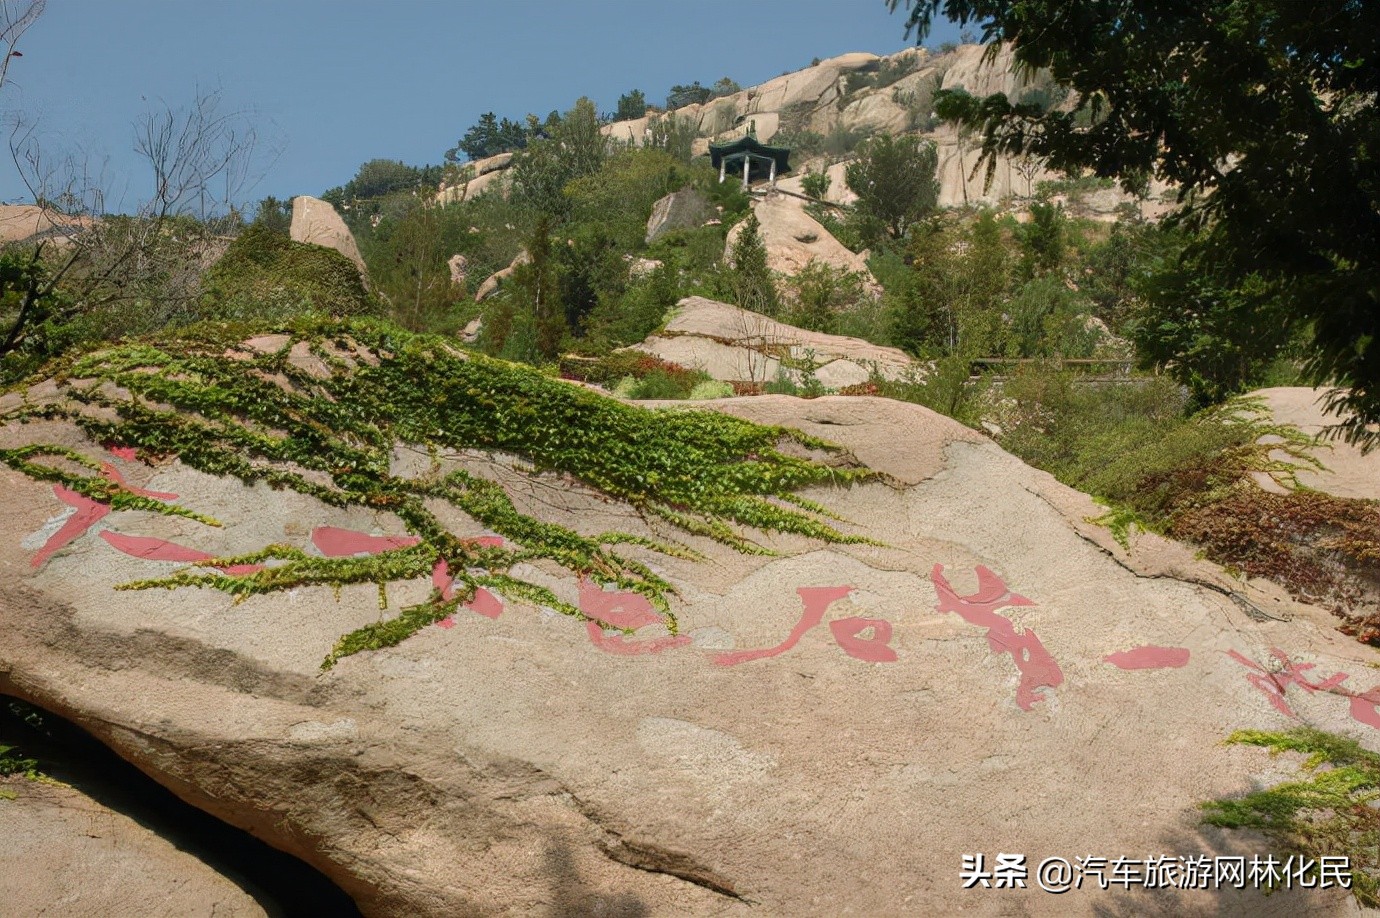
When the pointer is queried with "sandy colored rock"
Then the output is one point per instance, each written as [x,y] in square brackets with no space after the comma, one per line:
[632,131]
[64,853]
[508,765]
[970,69]
[314,221]
[838,191]
[876,113]
[814,86]
[727,362]
[484,174]
[1348,472]
[737,345]
[458,265]
[793,239]
[496,280]
[685,209]
[19,222]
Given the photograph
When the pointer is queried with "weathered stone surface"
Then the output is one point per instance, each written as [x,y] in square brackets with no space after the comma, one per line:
[678,210]
[818,99]
[484,174]
[65,854]
[458,264]
[969,69]
[495,280]
[527,763]
[19,222]
[316,222]
[1348,473]
[838,191]
[793,239]
[736,345]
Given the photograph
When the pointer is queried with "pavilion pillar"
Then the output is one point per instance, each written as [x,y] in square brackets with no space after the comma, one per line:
[723,167]
[772,177]
[747,164]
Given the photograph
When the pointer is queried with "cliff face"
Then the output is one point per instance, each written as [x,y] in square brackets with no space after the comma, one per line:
[865,94]
[858,94]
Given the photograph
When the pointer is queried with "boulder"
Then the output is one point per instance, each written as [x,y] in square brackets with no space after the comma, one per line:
[457,264]
[793,239]
[495,280]
[838,191]
[482,175]
[969,69]
[815,86]
[22,222]
[314,221]
[65,853]
[736,345]
[833,729]
[683,209]
[641,267]
[633,131]
[876,113]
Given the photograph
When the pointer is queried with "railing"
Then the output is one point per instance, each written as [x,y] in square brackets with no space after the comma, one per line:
[1120,366]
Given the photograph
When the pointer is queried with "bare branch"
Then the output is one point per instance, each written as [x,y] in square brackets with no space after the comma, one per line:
[15,19]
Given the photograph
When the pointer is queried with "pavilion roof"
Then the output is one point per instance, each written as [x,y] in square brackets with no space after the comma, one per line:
[748,145]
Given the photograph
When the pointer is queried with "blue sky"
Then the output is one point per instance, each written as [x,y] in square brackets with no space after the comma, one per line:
[334,83]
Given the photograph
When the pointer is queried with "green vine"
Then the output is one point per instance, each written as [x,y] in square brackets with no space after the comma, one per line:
[1330,811]
[330,432]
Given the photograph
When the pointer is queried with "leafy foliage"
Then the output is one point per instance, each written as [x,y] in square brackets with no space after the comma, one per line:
[894,179]
[258,417]
[750,284]
[1217,339]
[576,148]
[1283,92]
[381,177]
[631,105]
[1191,478]
[264,274]
[489,137]
[820,294]
[815,184]
[1331,810]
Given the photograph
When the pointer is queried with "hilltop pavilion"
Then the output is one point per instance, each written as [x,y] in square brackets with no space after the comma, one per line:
[754,158]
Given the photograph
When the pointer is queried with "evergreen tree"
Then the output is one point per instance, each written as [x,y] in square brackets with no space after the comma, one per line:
[537,288]
[631,105]
[750,282]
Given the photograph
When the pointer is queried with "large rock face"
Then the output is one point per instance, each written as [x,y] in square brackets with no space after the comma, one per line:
[678,210]
[21,222]
[834,95]
[482,175]
[831,732]
[316,222]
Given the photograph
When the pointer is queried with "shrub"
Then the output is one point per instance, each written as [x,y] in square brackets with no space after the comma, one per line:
[815,184]
[266,275]
[637,366]
[710,390]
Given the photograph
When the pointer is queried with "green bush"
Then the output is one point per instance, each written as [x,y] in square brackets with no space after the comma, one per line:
[711,389]
[265,275]
[1326,811]
[815,184]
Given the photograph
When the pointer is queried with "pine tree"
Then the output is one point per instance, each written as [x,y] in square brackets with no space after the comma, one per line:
[751,280]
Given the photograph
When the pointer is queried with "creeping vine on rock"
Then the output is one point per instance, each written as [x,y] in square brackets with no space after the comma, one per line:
[225,408]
